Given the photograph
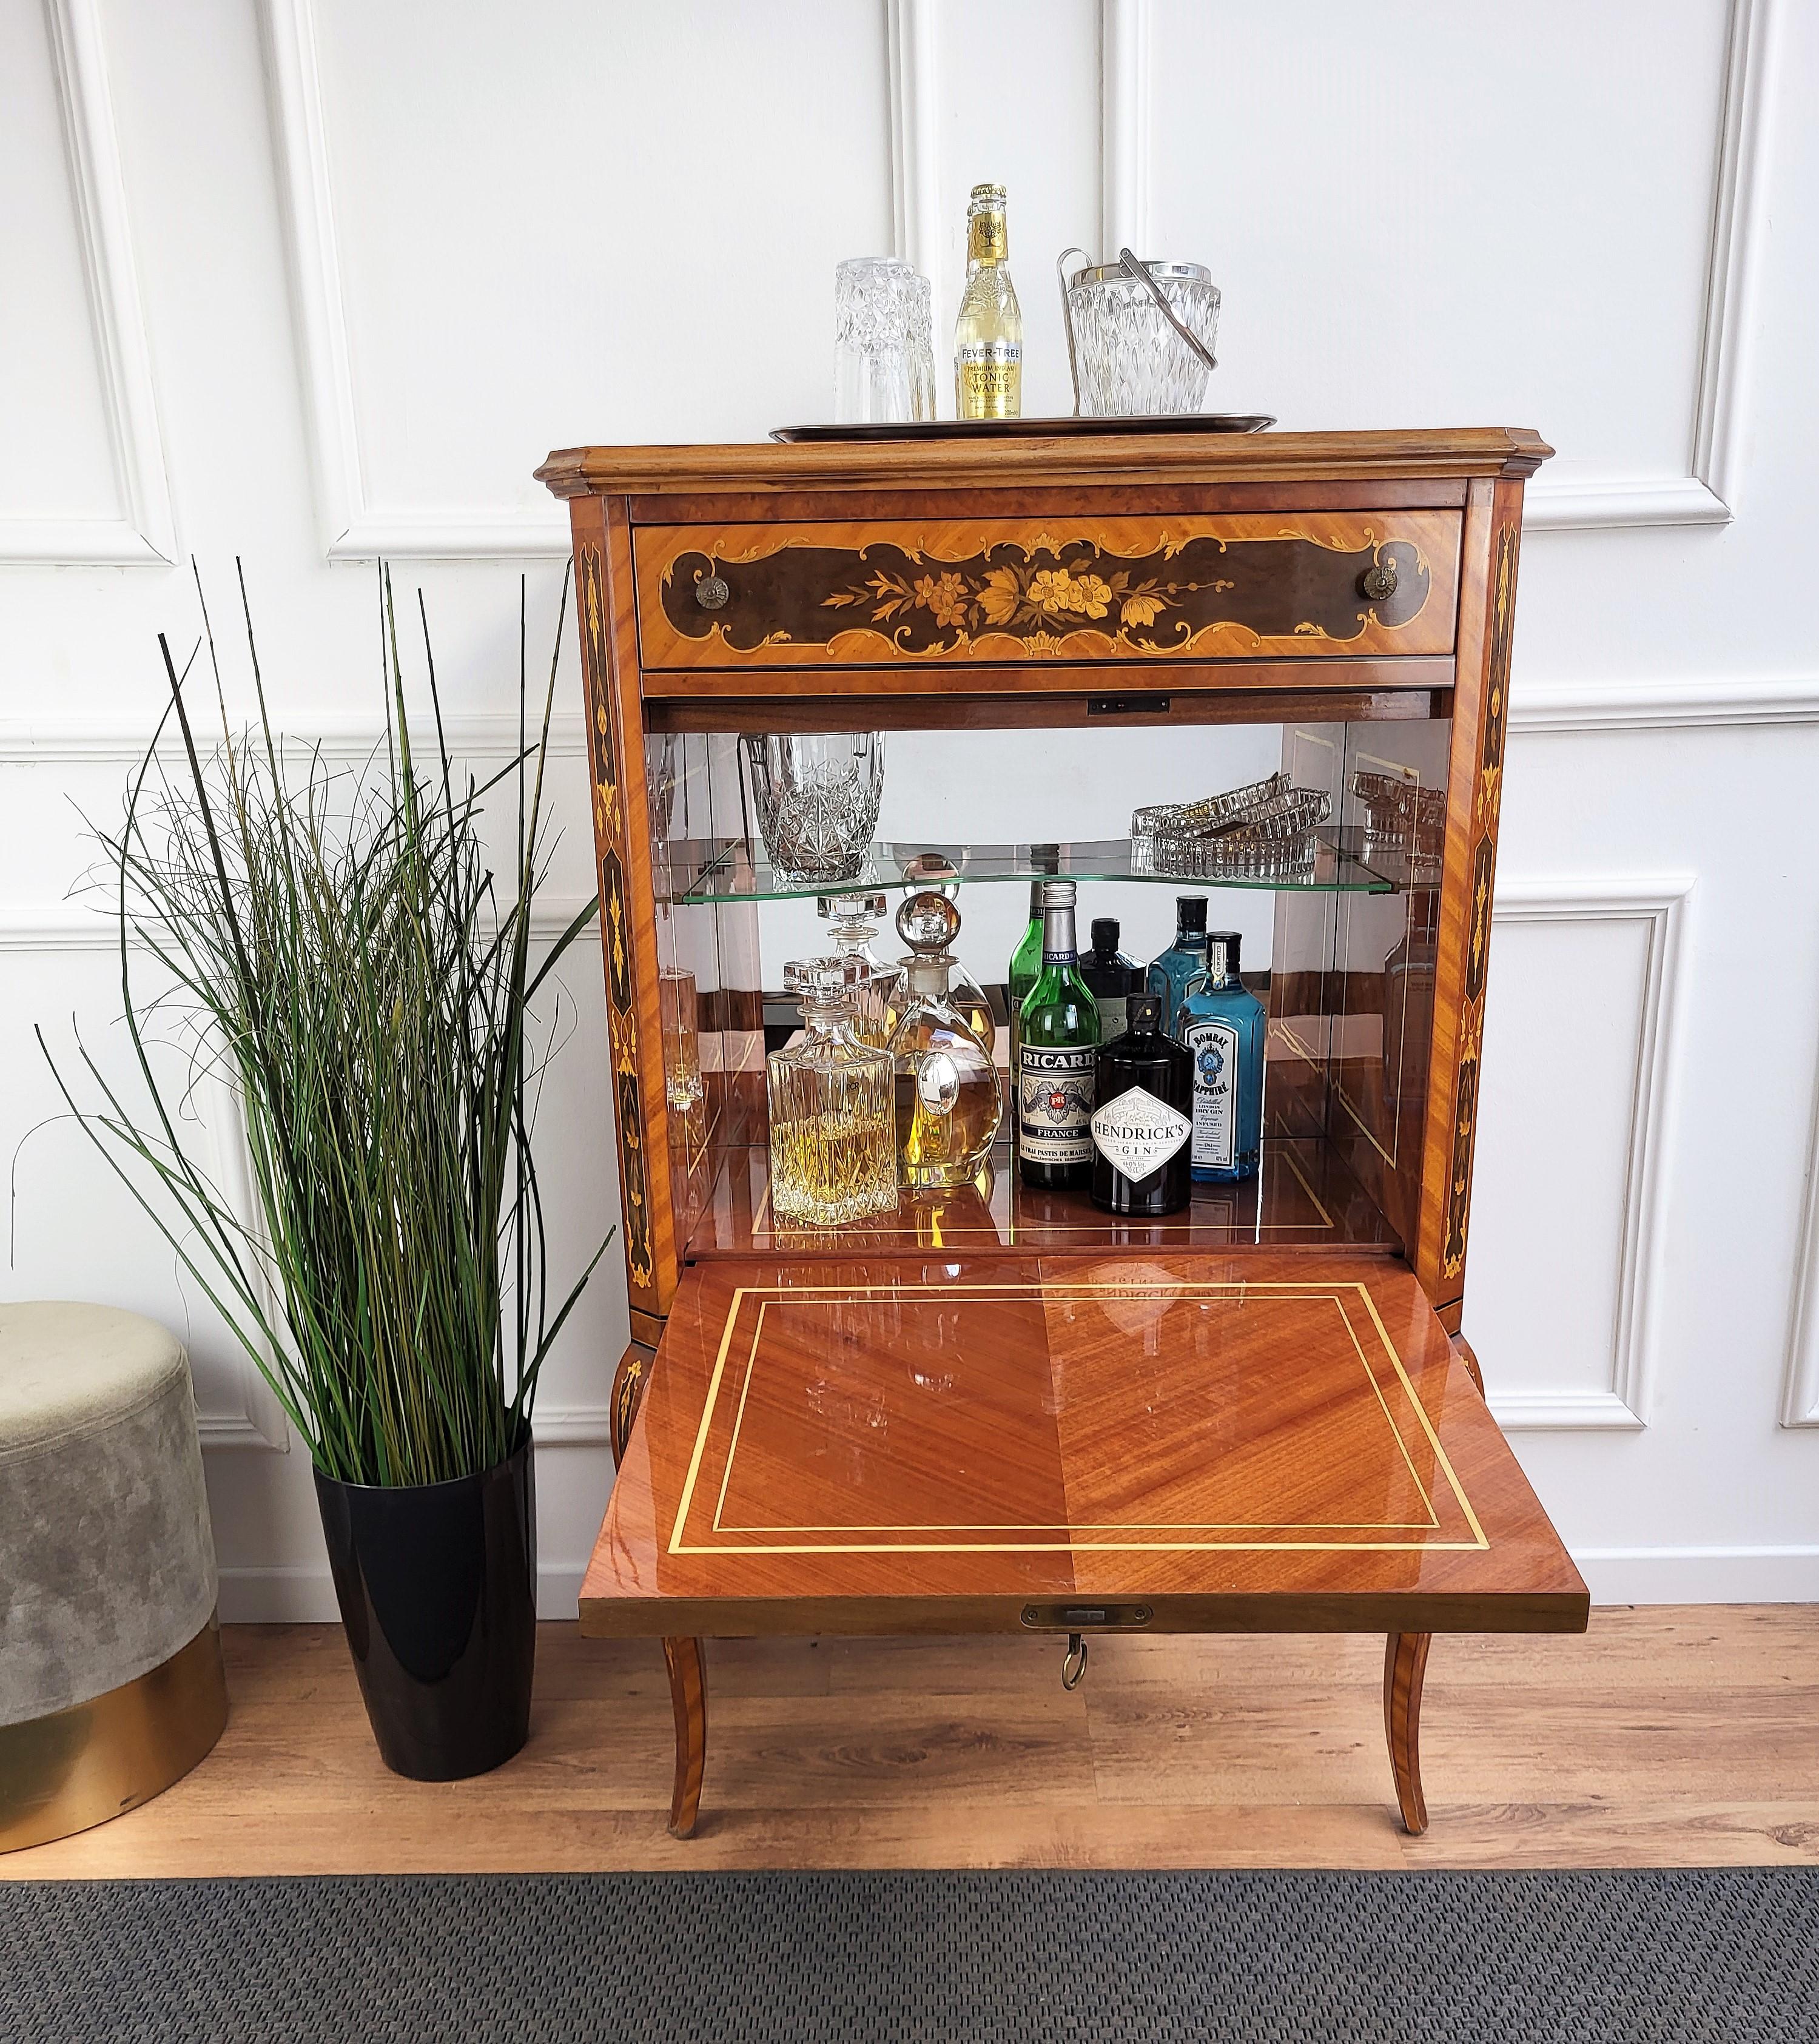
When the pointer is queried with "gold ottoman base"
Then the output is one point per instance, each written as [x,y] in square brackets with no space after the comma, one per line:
[79,1767]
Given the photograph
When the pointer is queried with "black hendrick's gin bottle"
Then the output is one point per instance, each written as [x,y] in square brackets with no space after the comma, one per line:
[1141,1125]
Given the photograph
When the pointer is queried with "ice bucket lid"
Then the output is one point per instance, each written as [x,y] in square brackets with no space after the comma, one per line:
[1164,273]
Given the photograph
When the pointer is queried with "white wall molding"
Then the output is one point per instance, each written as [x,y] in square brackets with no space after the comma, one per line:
[1539,707]
[1563,1408]
[1699,1575]
[914,51]
[1660,904]
[145,536]
[1124,151]
[352,528]
[253,1418]
[1739,223]
[1708,494]
[1800,1381]
[350,742]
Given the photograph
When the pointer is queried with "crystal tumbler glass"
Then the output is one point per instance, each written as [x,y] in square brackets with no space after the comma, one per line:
[1132,363]
[884,361]
[817,795]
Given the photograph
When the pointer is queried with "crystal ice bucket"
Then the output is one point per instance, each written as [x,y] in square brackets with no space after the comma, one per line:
[817,794]
[1129,359]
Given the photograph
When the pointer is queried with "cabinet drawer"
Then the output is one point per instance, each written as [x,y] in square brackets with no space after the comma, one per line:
[1077,590]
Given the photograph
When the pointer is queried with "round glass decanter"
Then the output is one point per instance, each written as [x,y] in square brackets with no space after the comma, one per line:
[852,921]
[833,1156]
[948,1104]
[937,876]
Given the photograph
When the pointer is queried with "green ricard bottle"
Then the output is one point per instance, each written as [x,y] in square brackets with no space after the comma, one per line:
[1026,960]
[1057,1046]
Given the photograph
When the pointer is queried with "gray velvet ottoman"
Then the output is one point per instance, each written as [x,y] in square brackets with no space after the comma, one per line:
[110,1670]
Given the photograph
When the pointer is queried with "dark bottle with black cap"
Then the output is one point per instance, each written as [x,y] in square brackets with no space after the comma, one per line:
[1113,977]
[1144,1118]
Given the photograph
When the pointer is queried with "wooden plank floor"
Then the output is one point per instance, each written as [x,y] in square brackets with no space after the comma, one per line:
[1665,1737]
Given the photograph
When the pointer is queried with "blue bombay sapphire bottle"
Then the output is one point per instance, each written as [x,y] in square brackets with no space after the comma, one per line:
[1171,975]
[1222,1024]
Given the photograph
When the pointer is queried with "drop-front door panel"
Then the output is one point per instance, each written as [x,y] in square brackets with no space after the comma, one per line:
[979,1443]
[1290,584]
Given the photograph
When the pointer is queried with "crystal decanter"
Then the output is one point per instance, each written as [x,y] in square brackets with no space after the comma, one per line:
[934,874]
[852,921]
[833,1158]
[948,1104]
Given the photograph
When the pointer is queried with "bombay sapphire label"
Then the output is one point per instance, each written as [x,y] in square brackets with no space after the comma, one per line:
[1215,1048]
[1137,1133]
[1055,1104]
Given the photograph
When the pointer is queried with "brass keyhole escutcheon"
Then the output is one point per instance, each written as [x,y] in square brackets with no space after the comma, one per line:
[711,593]
[1379,580]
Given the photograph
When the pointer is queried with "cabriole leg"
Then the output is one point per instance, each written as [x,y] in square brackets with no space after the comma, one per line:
[1404,1665]
[688,1697]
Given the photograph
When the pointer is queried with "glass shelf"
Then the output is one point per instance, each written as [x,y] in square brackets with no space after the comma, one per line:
[690,872]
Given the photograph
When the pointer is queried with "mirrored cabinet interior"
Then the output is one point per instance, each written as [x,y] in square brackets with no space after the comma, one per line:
[1046,639]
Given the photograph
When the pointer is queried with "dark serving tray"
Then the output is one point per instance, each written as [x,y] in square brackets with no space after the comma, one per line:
[1005,429]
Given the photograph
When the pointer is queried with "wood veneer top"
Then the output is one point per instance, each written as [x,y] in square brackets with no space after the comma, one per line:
[1263,1443]
[1212,458]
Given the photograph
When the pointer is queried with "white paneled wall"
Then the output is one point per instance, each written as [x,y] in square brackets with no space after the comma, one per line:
[304,280]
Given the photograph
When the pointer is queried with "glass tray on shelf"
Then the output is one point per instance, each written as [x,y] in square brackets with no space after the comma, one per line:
[694,870]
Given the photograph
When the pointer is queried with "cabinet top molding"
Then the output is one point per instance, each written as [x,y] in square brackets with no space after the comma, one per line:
[1185,458]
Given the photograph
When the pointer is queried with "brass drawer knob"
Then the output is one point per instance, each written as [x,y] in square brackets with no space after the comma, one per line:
[1379,580]
[711,592]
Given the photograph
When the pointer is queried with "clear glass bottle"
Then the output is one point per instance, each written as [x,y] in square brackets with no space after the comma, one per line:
[1113,977]
[988,334]
[1171,975]
[1057,1046]
[833,1153]
[852,921]
[1222,1023]
[948,1104]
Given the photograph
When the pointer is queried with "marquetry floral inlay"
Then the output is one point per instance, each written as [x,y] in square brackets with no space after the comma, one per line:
[1019,596]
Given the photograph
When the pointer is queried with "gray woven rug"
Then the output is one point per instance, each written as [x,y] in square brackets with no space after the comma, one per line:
[1646,1957]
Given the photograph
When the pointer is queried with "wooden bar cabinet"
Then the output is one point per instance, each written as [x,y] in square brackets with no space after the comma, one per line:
[999,1409]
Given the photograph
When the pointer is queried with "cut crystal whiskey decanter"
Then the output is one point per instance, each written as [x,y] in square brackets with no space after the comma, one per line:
[947,1102]
[852,922]
[833,1156]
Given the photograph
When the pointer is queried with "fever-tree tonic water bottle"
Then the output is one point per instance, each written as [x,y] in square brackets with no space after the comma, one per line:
[1222,1024]
[1057,1047]
[834,1148]
[988,335]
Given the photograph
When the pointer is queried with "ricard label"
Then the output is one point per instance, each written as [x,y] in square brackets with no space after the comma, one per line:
[1137,1133]
[1215,1048]
[1055,1104]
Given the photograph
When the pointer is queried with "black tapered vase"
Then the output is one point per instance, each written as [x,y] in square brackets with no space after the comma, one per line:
[438,1587]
